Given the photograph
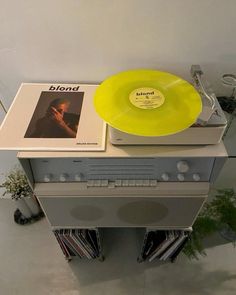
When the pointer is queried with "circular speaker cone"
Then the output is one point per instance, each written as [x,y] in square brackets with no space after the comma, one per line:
[142,212]
[87,212]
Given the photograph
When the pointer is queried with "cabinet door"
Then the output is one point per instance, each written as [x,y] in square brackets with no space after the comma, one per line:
[122,211]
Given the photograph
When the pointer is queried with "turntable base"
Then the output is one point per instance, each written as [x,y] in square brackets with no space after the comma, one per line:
[196,135]
[190,136]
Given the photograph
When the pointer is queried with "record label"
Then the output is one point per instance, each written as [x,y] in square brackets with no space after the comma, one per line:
[146,98]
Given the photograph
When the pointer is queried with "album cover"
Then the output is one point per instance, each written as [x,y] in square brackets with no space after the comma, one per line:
[58,117]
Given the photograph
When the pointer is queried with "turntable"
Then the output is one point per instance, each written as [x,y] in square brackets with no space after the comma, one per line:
[151,107]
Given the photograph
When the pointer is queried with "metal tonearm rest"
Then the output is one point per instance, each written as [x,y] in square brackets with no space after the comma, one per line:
[208,109]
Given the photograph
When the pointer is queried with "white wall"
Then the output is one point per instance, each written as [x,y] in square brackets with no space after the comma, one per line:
[88,40]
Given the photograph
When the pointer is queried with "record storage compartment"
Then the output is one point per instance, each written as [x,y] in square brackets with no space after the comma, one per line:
[82,243]
[164,245]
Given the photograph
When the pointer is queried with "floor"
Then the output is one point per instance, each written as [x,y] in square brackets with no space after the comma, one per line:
[32,263]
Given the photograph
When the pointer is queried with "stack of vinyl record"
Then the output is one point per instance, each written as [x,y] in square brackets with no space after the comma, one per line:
[79,242]
[163,244]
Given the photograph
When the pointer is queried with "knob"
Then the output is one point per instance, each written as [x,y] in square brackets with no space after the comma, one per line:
[180,177]
[165,177]
[183,166]
[78,176]
[196,177]
[47,177]
[63,177]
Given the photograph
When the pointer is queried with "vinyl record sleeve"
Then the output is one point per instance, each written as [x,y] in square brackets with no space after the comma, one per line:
[61,244]
[58,117]
[174,246]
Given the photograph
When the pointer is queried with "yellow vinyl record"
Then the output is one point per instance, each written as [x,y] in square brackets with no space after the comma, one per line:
[147,103]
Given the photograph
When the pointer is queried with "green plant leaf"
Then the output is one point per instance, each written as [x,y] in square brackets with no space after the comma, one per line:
[214,215]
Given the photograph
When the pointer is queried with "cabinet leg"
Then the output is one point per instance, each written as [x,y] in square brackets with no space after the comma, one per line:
[140,259]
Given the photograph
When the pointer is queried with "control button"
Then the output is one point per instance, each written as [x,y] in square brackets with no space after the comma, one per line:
[183,166]
[90,183]
[97,182]
[138,182]
[131,182]
[118,182]
[111,185]
[196,177]
[47,178]
[146,182]
[63,177]
[125,182]
[78,177]
[180,177]
[104,182]
[153,182]
[165,176]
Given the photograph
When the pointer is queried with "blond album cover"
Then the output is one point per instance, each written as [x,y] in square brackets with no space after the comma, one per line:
[53,117]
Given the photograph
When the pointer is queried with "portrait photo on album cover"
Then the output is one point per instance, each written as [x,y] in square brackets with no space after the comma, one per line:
[56,115]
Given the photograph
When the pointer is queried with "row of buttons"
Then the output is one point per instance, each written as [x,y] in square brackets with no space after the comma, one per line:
[97,183]
[63,177]
[126,182]
[180,177]
[182,167]
[133,182]
[122,183]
